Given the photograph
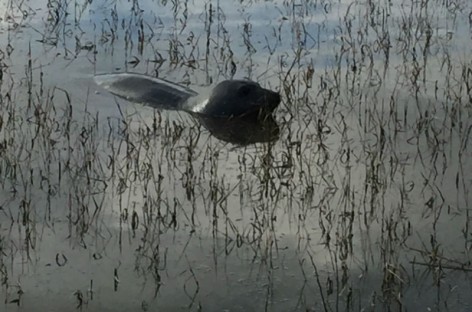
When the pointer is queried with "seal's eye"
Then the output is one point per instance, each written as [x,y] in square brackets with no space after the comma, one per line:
[245,90]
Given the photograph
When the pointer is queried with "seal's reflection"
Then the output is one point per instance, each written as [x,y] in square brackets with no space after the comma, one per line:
[241,130]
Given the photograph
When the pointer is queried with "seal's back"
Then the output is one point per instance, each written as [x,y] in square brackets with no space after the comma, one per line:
[154,92]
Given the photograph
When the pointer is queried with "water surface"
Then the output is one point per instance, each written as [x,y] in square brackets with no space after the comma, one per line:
[362,203]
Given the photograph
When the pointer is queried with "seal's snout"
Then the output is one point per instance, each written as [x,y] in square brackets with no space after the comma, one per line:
[275,98]
[272,99]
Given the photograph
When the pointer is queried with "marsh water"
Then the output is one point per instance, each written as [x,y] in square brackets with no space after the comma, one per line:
[361,202]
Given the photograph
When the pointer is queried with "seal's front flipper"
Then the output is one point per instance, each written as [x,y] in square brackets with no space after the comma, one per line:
[154,92]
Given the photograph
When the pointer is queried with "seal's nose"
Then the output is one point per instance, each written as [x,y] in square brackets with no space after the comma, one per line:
[273,100]
[277,98]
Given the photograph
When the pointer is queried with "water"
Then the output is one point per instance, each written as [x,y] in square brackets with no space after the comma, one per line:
[362,203]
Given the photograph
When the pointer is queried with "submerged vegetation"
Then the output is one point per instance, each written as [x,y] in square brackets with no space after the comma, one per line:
[362,203]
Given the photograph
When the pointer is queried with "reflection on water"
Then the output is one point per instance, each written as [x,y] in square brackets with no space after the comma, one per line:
[356,195]
[242,130]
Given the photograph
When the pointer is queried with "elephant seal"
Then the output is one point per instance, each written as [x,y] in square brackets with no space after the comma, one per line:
[230,98]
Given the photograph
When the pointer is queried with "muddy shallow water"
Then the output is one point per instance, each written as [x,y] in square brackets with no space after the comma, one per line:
[361,202]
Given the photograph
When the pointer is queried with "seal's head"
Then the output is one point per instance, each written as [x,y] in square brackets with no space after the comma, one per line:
[237,98]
